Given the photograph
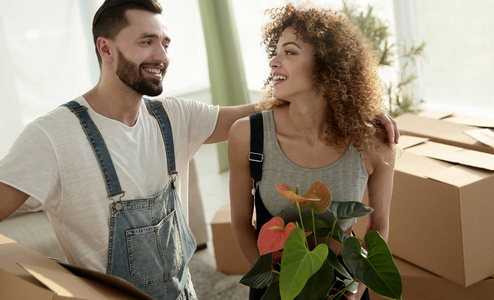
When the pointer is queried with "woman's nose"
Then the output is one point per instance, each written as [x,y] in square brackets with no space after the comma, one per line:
[274,63]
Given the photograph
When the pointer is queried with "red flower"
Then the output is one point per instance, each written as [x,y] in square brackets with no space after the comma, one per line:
[273,235]
[292,196]
[319,191]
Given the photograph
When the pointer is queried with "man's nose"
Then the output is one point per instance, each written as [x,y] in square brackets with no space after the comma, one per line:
[161,54]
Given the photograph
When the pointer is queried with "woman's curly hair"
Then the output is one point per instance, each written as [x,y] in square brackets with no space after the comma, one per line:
[345,71]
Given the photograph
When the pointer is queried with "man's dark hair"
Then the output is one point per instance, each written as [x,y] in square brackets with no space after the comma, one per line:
[110,18]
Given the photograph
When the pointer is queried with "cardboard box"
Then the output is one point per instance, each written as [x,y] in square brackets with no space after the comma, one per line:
[441,131]
[441,212]
[460,119]
[229,257]
[418,284]
[26,274]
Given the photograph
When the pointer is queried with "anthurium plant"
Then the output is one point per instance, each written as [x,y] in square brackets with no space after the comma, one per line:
[296,262]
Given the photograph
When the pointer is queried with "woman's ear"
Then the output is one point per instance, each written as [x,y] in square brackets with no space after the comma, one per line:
[104,49]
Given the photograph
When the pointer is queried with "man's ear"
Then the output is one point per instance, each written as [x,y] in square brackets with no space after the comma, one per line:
[105,50]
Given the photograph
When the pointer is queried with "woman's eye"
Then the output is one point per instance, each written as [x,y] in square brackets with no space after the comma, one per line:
[289,53]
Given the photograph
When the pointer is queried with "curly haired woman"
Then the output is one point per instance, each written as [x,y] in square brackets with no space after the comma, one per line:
[319,107]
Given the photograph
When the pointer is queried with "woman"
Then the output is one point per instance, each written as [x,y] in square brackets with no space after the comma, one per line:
[319,106]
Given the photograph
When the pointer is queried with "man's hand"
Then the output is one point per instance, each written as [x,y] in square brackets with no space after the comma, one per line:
[391,128]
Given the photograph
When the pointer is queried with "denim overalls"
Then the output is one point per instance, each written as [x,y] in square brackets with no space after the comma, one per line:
[150,242]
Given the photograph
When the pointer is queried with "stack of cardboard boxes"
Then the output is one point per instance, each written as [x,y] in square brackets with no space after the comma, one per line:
[441,229]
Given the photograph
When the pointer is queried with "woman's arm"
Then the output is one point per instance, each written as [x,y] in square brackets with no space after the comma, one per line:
[241,199]
[380,188]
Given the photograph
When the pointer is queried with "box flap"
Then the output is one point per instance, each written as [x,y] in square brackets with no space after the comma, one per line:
[418,165]
[455,155]
[109,280]
[459,175]
[65,284]
[471,121]
[11,252]
[435,129]
[485,136]
[15,288]
[435,114]
[407,141]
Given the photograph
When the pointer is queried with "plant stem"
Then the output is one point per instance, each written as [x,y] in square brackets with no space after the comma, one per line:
[313,225]
[300,216]
[330,236]
[342,291]
[302,223]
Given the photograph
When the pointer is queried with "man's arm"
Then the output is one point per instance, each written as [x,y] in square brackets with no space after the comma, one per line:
[226,117]
[229,114]
[10,200]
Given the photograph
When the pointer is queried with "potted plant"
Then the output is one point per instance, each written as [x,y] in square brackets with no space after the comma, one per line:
[294,263]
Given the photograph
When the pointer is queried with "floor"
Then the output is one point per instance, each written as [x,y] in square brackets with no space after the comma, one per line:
[214,191]
[213,184]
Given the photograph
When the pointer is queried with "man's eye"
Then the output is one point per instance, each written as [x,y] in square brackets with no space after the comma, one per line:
[147,42]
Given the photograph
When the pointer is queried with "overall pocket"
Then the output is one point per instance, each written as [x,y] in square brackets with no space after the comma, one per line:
[155,252]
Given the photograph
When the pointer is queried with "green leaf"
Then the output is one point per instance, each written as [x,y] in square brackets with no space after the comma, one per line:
[273,292]
[298,263]
[319,284]
[321,225]
[337,265]
[338,234]
[376,269]
[349,209]
[260,274]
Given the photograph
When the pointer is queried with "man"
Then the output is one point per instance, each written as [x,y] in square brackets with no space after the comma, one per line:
[110,168]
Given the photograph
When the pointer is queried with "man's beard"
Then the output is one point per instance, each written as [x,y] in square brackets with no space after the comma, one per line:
[131,74]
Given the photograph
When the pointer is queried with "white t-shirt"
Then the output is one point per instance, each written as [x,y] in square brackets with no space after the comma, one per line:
[53,162]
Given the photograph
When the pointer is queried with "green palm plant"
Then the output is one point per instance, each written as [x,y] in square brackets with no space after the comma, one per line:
[398,95]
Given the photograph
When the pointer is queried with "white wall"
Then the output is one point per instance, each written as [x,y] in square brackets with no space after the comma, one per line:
[458,71]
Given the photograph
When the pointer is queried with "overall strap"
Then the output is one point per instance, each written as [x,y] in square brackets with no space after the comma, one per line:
[99,147]
[256,159]
[256,147]
[156,109]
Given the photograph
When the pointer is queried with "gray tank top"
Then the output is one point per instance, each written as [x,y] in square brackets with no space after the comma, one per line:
[346,178]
